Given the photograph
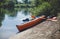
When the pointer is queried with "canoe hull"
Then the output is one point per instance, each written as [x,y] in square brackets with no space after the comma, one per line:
[29,24]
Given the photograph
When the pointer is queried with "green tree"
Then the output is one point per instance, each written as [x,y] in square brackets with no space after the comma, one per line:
[42,6]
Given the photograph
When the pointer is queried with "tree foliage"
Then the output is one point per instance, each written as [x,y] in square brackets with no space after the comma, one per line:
[6,3]
[46,6]
[40,6]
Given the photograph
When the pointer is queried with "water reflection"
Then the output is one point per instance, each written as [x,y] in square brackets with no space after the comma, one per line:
[25,12]
[9,19]
[1,16]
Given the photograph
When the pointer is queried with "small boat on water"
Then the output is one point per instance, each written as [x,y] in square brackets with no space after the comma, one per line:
[30,23]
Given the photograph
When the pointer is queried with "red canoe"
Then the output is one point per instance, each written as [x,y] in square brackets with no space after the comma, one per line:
[30,23]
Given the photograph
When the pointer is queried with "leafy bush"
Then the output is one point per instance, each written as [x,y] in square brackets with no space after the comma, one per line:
[41,8]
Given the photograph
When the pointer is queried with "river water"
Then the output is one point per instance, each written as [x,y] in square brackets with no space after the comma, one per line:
[9,18]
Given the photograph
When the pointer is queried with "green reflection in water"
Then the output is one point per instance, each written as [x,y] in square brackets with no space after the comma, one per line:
[26,11]
[12,12]
[1,16]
